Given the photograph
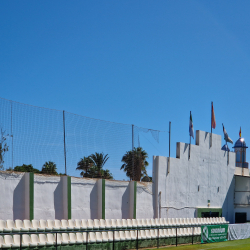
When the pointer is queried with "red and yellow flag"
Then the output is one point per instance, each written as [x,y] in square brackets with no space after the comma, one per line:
[213,122]
[240,132]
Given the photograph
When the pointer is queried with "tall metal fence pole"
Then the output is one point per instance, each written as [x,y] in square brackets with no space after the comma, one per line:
[169,139]
[64,139]
[12,153]
[133,167]
[169,146]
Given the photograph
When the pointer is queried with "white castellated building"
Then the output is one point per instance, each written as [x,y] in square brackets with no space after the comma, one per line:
[213,182]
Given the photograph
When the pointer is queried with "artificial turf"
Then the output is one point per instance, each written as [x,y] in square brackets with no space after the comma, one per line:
[227,245]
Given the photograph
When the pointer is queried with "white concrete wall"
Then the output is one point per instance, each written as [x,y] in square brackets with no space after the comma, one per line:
[192,182]
[48,197]
[144,200]
[84,199]
[117,199]
[13,198]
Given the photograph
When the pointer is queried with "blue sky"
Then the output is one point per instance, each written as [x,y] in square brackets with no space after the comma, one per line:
[135,62]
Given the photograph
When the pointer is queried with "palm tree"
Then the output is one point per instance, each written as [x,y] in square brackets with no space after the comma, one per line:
[99,160]
[49,167]
[84,164]
[107,175]
[135,163]
[92,166]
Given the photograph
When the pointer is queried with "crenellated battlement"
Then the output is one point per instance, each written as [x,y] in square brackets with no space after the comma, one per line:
[205,148]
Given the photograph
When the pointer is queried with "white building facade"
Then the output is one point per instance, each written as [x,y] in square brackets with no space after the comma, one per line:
[201,185]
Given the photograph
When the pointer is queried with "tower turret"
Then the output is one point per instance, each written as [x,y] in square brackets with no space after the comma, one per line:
[240,150]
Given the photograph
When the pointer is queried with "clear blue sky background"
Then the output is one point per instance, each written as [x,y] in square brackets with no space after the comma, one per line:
[135,62]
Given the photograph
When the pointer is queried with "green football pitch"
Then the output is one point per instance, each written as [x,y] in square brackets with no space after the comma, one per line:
[228,245]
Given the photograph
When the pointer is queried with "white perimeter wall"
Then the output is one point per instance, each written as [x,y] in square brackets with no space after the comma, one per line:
[144,200]
[207,169]
[117,200]
[84,200]
[48,197]
[13,196]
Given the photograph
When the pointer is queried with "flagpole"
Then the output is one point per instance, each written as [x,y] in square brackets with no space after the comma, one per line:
[189,147]
[211,122]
